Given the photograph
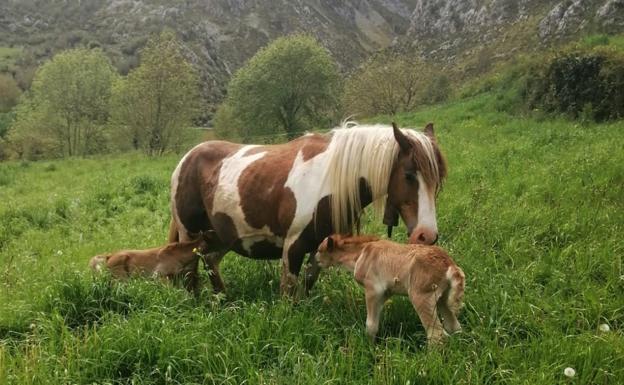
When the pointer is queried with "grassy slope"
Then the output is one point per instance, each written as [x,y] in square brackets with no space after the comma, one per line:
[533,212]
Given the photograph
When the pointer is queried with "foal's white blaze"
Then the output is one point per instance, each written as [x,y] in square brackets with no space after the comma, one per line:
[426,206]
[227,198]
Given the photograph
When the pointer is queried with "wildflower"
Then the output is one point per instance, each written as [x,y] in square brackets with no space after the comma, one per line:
[569,372]
[59,252]
[604,328]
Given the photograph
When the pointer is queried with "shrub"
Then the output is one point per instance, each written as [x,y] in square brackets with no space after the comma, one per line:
[581,84]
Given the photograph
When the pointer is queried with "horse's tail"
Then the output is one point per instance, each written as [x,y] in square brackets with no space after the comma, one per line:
[173,232]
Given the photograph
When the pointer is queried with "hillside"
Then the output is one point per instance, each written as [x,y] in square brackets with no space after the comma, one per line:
[222,34]
[529,211]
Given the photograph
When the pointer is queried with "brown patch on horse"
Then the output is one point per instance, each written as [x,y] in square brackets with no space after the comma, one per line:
[315,144]
[199,175]
[265,200]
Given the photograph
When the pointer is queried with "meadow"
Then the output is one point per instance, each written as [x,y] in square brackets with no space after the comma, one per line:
[533,211]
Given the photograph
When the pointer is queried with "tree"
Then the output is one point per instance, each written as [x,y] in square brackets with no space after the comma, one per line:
[9,93]
[389,85]
[69,101]
[158,98]
[291,84]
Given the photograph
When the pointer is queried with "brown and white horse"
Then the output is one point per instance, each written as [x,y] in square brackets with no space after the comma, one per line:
[281,201]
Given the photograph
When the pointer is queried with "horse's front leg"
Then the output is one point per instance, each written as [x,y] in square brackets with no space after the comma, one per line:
[292,260]
[311,273]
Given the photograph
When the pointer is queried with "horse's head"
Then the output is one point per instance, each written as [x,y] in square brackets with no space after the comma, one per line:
[416,178]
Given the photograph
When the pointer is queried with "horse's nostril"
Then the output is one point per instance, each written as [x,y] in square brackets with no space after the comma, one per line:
[421,237]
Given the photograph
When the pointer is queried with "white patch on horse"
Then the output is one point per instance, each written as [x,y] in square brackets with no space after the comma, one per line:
[228,201]
[426,206]
[249,241]
[306,181]
[175,179]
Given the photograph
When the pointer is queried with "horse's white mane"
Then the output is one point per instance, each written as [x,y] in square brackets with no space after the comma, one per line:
[369,152]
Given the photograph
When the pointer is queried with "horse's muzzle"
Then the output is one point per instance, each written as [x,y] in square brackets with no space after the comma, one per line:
[423,236]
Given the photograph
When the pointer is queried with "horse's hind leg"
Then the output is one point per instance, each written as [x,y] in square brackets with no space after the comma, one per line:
[211,264]
[190,278]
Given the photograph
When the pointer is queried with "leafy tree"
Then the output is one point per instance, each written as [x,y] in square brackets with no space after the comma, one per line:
[389,85]
[290,84]
[69,101]
[159,98]
[9,93]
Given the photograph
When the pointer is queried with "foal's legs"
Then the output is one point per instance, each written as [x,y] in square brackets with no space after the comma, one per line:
[425,305]
[374,305]
[449,317]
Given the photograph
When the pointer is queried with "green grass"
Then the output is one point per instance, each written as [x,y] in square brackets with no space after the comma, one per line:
[532,211]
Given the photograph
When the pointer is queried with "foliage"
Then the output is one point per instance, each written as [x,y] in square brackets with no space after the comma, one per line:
[389,85]
[529,211]
[9,93]
[290,85]
[228,126]
[159,99]
[588,83]
[69,102]
[6,119]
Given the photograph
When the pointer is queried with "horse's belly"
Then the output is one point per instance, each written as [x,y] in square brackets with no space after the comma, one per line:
[260,249]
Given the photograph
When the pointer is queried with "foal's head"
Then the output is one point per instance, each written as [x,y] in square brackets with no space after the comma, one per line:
[414,183]
[337,245]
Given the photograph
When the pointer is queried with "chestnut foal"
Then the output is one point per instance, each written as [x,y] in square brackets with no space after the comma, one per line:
[174,261]
[433,282]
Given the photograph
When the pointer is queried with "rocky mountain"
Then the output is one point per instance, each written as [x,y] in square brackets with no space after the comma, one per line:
[447,28]
[222,34]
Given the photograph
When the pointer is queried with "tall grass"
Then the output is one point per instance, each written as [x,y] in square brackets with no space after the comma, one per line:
[532,211]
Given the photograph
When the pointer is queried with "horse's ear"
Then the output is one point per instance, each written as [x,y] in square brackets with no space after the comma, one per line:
[429,131]
[404,142]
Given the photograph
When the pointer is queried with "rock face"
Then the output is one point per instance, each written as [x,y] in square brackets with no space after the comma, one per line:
[222,34]
[444,28]
[611,15]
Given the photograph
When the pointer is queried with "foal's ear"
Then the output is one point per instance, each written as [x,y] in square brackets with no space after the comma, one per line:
[399,136]
[330,243]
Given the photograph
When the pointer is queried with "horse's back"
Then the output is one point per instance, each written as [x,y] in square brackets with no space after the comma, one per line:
[242,192]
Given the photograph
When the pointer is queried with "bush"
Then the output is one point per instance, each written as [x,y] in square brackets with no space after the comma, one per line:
[581,84]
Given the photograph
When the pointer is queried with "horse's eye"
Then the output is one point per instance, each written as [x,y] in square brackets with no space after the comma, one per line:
[410,177]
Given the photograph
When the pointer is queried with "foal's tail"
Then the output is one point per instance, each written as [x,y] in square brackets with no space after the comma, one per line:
[455,298]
